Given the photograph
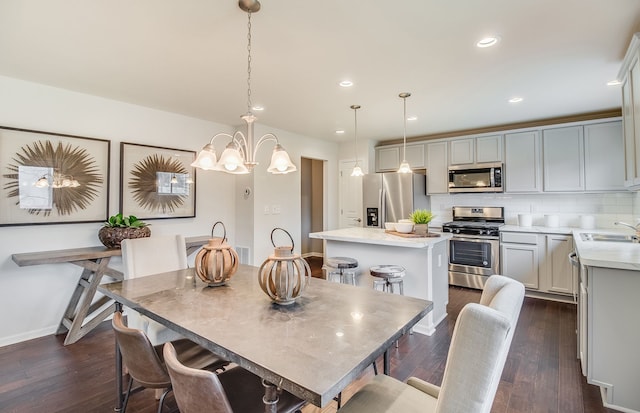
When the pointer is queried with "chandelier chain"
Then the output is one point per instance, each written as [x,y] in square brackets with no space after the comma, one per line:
[249,63]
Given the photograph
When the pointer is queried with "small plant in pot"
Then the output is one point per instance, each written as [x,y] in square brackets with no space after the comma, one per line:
[120,227]
[421,219]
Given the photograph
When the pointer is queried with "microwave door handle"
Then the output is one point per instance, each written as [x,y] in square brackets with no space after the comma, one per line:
[383,208]
[492,179]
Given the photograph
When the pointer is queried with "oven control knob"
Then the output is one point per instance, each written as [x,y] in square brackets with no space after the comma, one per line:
[485,263]
[480,231]
[457,230]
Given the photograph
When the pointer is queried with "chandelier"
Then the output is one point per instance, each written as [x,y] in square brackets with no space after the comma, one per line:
[239,156]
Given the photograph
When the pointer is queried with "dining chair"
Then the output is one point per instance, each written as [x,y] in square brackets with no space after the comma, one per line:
[233,390]
[479,347]
[145,363]
[152,255]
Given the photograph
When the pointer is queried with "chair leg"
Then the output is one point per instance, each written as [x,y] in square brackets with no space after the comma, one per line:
[338,399]
[126,397]
[161,402]
[375,368]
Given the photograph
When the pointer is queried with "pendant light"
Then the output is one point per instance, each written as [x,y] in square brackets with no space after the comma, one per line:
[239,157]
[357,171]
[404,166]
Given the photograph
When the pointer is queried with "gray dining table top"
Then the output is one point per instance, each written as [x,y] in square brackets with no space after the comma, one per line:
[312,348]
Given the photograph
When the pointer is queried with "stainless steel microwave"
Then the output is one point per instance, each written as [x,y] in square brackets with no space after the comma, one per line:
[477,178]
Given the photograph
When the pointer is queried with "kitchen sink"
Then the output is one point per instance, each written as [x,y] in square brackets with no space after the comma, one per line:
[588,236]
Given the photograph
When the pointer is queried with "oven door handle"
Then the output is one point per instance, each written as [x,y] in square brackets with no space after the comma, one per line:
[474,238]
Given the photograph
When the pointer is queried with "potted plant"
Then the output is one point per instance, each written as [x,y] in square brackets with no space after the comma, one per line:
[120,227]
[421,219]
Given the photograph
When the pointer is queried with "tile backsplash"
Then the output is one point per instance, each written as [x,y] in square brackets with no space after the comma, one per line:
[606,208]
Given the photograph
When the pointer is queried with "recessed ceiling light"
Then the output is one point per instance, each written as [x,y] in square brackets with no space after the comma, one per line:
[515,100]
[346,83]
[412,118]
[614,82]
[488,41]
[340,131]
[258,108]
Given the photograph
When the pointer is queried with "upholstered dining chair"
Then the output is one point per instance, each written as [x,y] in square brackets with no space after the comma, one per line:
[152,255]
[145,363]
[233,390]
[479,347]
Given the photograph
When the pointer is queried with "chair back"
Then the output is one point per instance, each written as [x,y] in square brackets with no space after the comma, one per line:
[479,346]
[196,391]
[153,255]
[139,355]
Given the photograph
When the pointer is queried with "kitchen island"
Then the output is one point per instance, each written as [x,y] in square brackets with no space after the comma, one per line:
[425,261]
[608,308]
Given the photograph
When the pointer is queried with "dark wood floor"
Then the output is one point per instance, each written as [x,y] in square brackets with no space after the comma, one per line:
[541,373]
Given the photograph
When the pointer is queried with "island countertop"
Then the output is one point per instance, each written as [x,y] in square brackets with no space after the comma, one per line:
[378,237]
[620,255]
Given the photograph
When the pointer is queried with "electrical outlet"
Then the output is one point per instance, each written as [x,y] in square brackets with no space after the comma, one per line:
[267,210]
[275,210]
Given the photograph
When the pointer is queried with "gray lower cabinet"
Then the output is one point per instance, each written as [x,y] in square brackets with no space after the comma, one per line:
[610,302]
[539,261]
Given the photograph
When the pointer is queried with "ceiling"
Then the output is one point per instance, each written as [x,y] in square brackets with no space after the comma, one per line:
[190,57]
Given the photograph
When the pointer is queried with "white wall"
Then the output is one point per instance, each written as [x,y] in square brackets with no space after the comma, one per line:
[35,297]
[283,191]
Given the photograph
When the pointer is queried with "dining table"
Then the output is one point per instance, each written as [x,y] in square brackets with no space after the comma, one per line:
[312,348]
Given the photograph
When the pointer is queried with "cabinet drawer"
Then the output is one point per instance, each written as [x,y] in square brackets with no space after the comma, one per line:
[519,238]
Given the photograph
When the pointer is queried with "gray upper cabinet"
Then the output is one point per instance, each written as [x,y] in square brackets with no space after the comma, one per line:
[388,158]
[603,154]
[522,162]
[563,159]
[476,150]
[629,75]
[462,151]
[437,168]
[489,149]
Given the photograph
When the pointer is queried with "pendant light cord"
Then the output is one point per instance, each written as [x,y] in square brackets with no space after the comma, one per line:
[404,150]
[355,119]
[249,63]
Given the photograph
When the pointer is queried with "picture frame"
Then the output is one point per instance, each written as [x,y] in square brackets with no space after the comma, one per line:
[157,182]
[52,178]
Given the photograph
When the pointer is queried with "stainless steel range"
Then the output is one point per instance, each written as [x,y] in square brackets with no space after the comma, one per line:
[474,249]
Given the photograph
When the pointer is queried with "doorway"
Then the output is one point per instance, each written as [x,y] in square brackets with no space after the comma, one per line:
[312,205]
[350,201]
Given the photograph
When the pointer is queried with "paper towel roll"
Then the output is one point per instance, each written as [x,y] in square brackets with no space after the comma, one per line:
[525,220]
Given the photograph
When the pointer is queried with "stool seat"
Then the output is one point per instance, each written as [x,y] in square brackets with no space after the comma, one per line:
[342,262]
[387,271]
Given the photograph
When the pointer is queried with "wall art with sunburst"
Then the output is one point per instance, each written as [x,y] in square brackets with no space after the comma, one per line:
[157,182]
[52,178]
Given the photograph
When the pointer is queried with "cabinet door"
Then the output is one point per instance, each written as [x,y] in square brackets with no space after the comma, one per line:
[629,134]
[415,155]
[522,162]
[462,151]
[563,159]
[559,269]
[387,159]
[634,75]
[603,157]
[489,149]
[437,168]
[520,262]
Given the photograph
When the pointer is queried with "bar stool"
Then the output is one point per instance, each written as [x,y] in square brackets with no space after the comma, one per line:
[387,277]
[342,268]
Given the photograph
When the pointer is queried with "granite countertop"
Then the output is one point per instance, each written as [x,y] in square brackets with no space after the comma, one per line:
[607,254]
[378,237]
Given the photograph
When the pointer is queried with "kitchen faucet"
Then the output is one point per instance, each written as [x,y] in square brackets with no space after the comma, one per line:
[635,228]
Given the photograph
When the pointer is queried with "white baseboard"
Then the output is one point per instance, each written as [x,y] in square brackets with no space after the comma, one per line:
[29,335]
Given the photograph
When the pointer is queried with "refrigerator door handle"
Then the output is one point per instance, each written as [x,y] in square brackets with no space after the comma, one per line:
[383,208]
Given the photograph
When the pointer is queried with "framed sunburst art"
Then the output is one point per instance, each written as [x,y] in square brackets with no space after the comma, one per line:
[157,182]
[52,178]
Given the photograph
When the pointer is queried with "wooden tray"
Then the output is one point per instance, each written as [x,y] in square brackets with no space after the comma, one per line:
[413,234]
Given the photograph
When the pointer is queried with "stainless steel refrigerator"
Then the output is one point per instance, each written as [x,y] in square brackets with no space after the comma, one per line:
[390,197]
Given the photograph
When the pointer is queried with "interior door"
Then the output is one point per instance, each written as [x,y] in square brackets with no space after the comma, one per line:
[350,197]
